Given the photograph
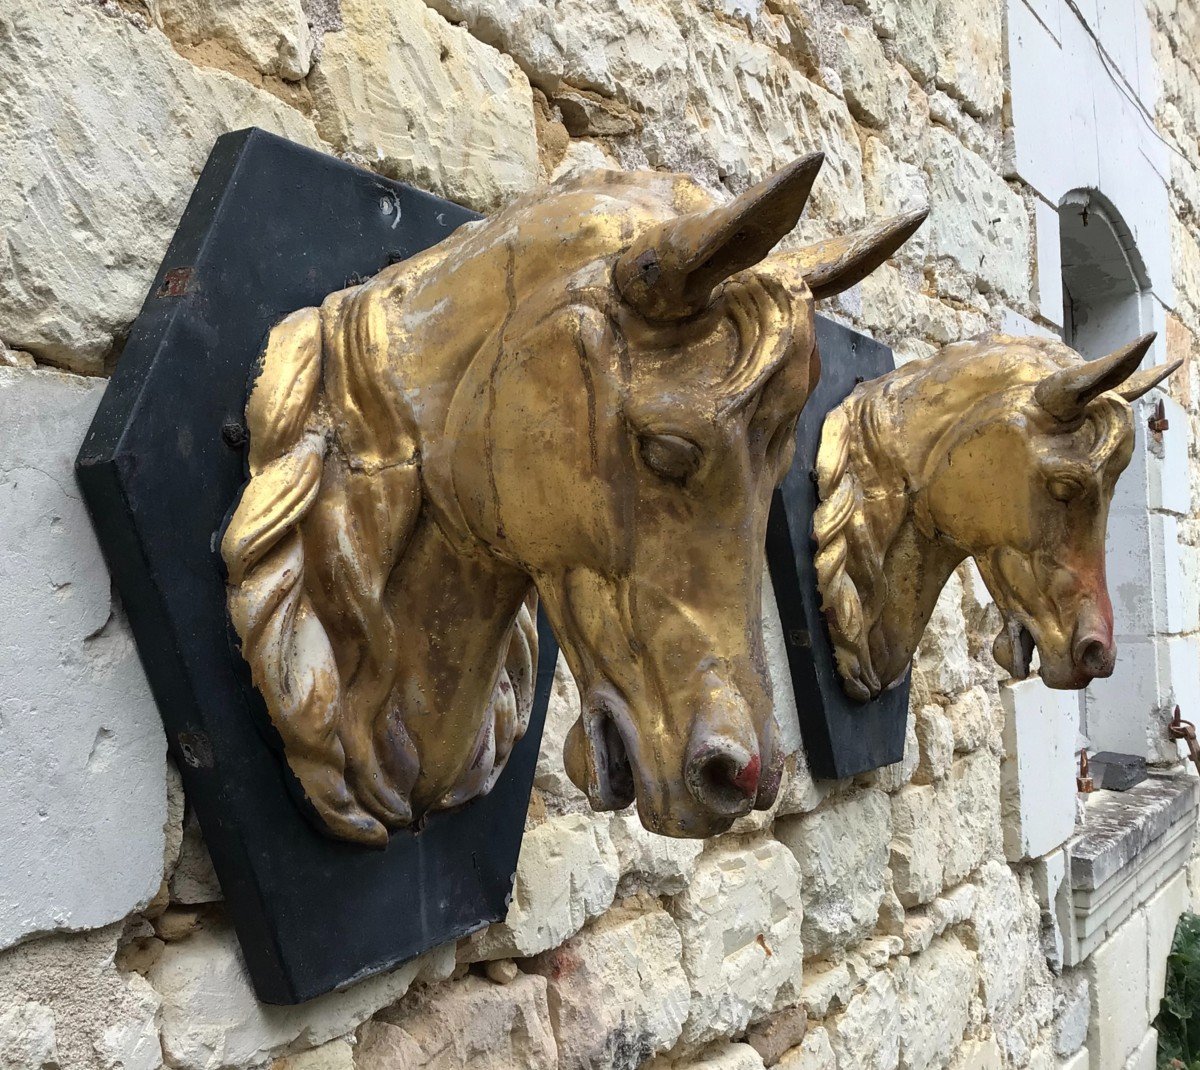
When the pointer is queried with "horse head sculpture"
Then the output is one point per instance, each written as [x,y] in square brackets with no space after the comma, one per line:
[590,395]
[1005,450]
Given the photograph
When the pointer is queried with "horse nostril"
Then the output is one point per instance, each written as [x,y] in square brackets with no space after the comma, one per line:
[723,777]
[1094,656]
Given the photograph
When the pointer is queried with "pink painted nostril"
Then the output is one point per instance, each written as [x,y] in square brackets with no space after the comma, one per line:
[746,781]
[723,777]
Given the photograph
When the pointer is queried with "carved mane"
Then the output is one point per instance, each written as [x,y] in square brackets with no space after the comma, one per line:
[852,544]
[309,551]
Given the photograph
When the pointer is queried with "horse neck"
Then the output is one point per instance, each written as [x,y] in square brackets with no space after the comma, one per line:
[453,615]
[894,569]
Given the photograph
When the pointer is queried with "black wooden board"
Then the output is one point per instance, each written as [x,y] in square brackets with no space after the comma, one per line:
[271,227]
[841,737]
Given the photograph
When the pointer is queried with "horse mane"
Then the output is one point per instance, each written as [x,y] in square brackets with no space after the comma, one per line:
[852,544]
[321,524]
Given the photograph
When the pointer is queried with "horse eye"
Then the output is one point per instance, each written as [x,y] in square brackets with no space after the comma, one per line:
[670,456]
[1064,489]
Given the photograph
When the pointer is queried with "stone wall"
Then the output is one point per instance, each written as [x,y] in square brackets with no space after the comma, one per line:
[901,921]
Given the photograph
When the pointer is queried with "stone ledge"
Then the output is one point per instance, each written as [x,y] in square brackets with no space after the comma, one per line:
[1121,825]
[1133,844]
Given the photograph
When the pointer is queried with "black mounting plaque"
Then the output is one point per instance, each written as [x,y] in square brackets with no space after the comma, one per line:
[841,737]
[271,227]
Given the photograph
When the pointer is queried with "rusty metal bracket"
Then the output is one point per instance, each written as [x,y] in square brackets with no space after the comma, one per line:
[1084,783]
[1181,729]
[1158,422]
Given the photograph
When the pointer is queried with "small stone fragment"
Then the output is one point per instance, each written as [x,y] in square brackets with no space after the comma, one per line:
[502,971]
[773,1036]
[588,114]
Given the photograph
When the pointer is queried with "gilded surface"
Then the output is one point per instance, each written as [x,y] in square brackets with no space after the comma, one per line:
[587,398]
[1005,450]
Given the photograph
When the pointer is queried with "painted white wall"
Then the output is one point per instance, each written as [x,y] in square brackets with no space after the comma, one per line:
[1083,87]
[1082,94]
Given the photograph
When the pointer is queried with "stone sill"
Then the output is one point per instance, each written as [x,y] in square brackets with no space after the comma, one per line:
[1132,843]
[1120,825]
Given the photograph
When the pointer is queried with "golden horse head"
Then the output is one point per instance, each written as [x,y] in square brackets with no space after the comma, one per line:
[1005,450]
[591,394]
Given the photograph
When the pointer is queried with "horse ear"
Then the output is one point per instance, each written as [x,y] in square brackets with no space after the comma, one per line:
[831,266]
[1066,393]
[671,270]
[1140,383]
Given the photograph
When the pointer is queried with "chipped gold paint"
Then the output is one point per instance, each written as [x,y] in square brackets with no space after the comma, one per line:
[588,397]
[1005,450]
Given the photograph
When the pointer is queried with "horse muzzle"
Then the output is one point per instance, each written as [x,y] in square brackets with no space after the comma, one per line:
[1089,655]
[700,792]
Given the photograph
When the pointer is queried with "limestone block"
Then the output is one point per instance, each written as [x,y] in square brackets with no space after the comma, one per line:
[892,185]
[909,25]
[1162,916]
[895,776]
[562,711]
[616,52]
[64,1003]
[955,906]
[724,1056]
[567,874]
[427,103]
[211,1019]
[943,660]
[471,1022]
[27,1039]
[935,997]
[1071,1010]
[1006,946]
[271,35]
[916,856]
[826,983]
[968,40]
[1015,980]
[976,221]
[867,1034]
[731,142]
[740,923]
[843,853]
[1037,777]
[935,736]
[1048,875]
[1144,1056]
[978,1055]
[656,864]
[336,1055]
[974,717]
[814,1052]
[618,991]
[83,786]
[96,179]
[720,105]
[16,358]
[862,65]
[1081,1060]
[970,814]
[779,1033]
[894,307]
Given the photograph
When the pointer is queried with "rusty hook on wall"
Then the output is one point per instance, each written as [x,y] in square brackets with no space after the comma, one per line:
[1181,729]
